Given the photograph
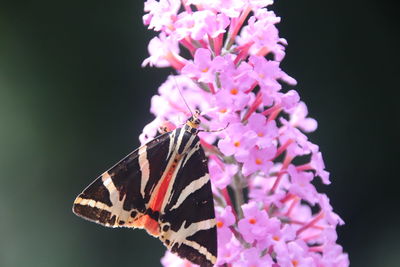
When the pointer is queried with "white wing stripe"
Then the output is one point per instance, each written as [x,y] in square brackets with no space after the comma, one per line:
[202,250]
[144,168]
[192,187]
[190,153]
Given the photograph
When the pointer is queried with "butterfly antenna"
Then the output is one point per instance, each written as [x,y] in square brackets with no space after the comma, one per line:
[215,131]
[180,92]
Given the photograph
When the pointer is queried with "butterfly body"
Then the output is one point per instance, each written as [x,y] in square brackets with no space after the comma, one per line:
[163,187]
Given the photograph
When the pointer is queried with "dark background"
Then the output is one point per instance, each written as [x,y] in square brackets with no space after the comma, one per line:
[73,100]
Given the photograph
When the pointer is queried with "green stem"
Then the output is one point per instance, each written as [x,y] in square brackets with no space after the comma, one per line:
[238,191]
[220,201]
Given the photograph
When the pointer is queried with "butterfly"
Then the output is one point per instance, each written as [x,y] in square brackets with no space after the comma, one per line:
[164,187]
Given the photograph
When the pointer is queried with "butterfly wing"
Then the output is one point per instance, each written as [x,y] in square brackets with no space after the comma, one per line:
[118,197]
[164,187]
[188,220]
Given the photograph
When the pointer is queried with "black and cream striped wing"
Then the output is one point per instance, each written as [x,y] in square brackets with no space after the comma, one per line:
[120,195]
[188,219]
[163,187]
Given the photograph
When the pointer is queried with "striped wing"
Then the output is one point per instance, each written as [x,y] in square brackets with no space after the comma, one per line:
[188,219]
[163,187]
[118,197]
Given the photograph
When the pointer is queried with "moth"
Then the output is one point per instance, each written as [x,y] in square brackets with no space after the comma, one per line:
[164,187]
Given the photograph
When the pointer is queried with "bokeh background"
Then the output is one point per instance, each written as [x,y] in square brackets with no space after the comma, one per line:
[73,100]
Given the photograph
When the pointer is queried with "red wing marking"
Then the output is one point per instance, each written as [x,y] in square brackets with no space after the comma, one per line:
[149,224]
[159,195]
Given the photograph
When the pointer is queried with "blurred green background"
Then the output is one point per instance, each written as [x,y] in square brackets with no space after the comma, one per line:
[73,100]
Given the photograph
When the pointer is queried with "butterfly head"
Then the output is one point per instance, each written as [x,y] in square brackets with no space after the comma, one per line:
[194,121]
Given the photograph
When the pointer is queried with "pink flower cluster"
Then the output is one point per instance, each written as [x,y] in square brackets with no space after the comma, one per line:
[227,54]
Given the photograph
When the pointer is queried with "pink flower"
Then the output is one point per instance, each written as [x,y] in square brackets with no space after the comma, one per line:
[299,142]
[236,77]
[260,188]
[268,212]
[262,31]
[232,98]
[298,118]
[267,72]
[225,217]
[301,185]
[290,100]
[294,254]
[256,159]
[231,8]
[254,258]
[255,223]
[228,249]
[221,176]
[317,163]
[332,256]
[161,13]
[163,50]
[150,131]
[172,260]
[198,24]
[237,141]
[203,68]
[331,217]
[266,132]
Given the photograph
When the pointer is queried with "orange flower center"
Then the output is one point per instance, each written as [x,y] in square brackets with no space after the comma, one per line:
[236,144]
[234,91]
[252,221]
[276,238]
[260,134]
[258,161]
[295,263]
[223,110]
[204,70]
[220,224]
